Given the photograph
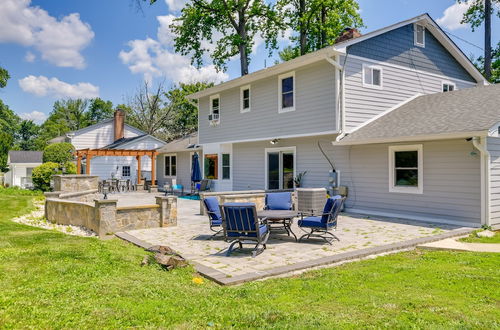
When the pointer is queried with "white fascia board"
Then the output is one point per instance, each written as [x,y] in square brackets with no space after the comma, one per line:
[269,138]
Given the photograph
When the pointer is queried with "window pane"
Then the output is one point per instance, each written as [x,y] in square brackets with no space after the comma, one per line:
[246,93]
[407,178]
[174,170]
[406,158]
[246,104]
[287,100]
[287,85]
[445,87]
[376,77]
[211,166]
[420,34]
[215,106]
[287,170]
[451,88]
[368,76]
[167,166]
[273,170]
[173,160]
[225,159]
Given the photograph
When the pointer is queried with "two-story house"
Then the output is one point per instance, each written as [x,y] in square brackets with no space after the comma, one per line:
[260,130]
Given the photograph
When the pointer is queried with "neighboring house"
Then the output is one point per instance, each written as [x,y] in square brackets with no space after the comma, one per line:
[113,134]
[267,125]
[175,159]
[21,165]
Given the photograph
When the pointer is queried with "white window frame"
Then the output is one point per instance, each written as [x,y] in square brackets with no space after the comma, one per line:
[212,97]
[280,149]
[243,88]
[222,166]
[129,171]
[392,170]
[371,67]
[280,96]
[165,166]
[415,35]
[449,83]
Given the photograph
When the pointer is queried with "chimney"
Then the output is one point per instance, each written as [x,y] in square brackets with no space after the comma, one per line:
[119,124]
[347,34]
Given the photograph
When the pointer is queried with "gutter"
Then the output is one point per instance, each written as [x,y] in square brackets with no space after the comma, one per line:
[480,144]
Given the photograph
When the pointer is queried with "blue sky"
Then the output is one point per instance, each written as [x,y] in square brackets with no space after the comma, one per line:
[87,48]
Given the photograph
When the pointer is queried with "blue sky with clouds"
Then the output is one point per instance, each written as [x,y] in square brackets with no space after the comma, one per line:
[88,48]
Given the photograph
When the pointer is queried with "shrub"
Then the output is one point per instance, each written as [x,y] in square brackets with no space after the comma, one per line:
[59,153]
[43,174]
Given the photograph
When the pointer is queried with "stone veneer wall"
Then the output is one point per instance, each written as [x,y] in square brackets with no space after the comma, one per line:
[75,183]
[258,199]
[65,212]
[147,216]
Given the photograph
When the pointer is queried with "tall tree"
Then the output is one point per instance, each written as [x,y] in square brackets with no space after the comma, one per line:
[9,121]
[495,64]
[6,142]
[99,110]
[317,23]
[27,134]
[4,76]
[230,25]
[480,11]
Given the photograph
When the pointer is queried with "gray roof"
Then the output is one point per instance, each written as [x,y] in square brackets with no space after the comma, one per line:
[441,114]
[120,142]
[187,143]
[16,157]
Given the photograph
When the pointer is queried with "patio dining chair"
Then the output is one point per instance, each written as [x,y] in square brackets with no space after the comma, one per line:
[241,225]
[211,205]
[279,201]
[322,226]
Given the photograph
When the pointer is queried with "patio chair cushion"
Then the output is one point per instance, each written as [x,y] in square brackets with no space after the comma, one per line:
[314,222]
[262,231]
[279,201]
[177,187]
[212,205]
[330,203]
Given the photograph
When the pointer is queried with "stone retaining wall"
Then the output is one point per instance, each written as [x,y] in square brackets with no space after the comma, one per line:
[64,212]
[74,183]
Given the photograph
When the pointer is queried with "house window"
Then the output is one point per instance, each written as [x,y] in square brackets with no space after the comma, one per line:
[211,166]
[419,35]
[448,87]
[170,165]
[125,171]
[406,169]
[245,99]
[372,76]
[286,101]
[280,168]
[226,166]
[214,108]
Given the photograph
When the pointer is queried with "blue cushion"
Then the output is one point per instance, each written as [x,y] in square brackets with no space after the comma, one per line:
[177,187]
[197,186]
[279,201]
[216,222]
[262,231]
[314,222]
[330,203]
[212,205]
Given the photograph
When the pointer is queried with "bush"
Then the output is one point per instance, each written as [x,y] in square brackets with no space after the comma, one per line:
[43,174]
[59,153]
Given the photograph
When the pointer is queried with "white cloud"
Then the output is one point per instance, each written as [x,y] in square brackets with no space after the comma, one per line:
[452,16]
[37,116]
[175,5]
[30,57]
[156,58]
[59,41]
[43,86]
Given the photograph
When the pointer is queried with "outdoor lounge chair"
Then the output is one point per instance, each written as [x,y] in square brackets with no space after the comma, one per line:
[279,201]
[178,189]
[214,217]
[321,226]
[241,225]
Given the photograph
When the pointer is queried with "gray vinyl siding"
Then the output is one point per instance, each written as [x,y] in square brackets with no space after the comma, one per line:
[183,170]
[493,144]
[249,162]
[398,85]
[397,47]
[451,181]
[314,108]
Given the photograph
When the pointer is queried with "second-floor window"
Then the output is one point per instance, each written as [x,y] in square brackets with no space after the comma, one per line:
[448,87]
[245,99]
[372,76]
[286,92]
[214,108]
[419,35]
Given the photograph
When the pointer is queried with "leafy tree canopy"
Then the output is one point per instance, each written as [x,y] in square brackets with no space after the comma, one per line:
[475,13]
[495,65]
[99,110]
[26,135]
[43,174]
[4,76]
[59,153]
[6,141]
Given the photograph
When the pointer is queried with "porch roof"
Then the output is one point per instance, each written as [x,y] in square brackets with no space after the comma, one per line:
[186,143]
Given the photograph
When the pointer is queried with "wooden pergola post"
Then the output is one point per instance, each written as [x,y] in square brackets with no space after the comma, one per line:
[87,166]
[138,169]
[79,164]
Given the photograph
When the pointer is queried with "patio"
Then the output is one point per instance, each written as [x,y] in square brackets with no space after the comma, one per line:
[360,236]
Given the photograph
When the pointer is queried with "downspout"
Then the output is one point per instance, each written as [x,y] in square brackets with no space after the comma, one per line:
[485,179]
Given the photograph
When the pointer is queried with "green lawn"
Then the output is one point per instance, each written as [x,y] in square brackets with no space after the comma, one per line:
[50,280]
[473,238]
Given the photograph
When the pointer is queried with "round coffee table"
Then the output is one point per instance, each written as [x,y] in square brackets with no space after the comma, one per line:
[279,220]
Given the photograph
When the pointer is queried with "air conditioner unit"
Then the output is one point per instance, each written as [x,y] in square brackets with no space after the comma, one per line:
[213,117]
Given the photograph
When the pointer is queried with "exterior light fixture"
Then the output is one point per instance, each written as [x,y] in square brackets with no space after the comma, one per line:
[274,141]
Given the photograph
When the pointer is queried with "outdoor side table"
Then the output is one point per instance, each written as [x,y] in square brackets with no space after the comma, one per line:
[279,220]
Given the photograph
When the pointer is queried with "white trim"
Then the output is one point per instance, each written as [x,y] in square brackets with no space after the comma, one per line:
[371,68]
[280,98]
[243,88]
[423,137]
[392,173]
[385,112]
[410,216]
[279,149]
[165,165]
[277,137]
[481,145]
[449,83]
[211,110]
[409,69]
[415,32]
[222,166]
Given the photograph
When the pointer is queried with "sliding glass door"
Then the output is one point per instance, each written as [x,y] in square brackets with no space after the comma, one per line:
[280,169]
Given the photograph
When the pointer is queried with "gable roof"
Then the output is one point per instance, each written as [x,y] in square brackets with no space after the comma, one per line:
[16,157]
[340,49]
[187,143]
[465,112]
[121,143]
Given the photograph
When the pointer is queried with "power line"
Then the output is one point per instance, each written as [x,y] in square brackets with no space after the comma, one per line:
[462,39]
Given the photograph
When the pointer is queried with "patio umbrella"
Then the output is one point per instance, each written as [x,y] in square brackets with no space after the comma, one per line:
[195,169]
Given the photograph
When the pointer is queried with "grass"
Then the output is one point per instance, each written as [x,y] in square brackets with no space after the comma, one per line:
[51,280]
[473,238]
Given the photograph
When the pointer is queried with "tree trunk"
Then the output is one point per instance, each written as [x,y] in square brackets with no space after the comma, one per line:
[487,39]
[303,32]
[242,47]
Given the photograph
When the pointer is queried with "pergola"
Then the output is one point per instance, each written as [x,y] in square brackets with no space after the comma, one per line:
[90,153]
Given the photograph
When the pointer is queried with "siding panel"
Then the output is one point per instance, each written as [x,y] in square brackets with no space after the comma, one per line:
[493,144]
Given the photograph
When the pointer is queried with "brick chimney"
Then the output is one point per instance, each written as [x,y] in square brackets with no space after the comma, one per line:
[347,34]
[119,124]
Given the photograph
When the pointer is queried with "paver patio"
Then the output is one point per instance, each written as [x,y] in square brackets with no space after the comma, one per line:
[191,239]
